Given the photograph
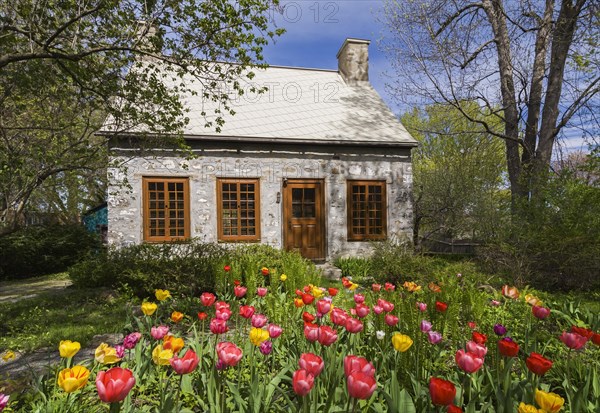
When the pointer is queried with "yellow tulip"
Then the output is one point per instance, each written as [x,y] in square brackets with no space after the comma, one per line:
[258,335]
[401,342]
[162,295]
[173,343]
[527,408]
[317,292]
[68,348]
[73,379]
[549,402]
[148,308]
[105,354]
[283,277]
[352,286]
[411,286]
[161,356]
[533,300]
[9,355]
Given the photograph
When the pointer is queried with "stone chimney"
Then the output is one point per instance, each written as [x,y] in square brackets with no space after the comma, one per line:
[353,60]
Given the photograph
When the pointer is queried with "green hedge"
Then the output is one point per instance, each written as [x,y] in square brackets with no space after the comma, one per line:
[41,250]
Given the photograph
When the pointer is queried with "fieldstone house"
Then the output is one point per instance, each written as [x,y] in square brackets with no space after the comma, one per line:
[317,164]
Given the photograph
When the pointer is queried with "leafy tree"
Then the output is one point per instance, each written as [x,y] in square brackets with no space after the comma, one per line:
[67,65]
[459,174]
[533,65]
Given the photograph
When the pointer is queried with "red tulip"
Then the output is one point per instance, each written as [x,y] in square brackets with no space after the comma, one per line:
[327,335]
[237,282]
[202,316]
[332,291]
[311,332]
[538,364]
[361,385]
[358,364]
[467,361]
[573,340]
[479,338]
[307,299]
[389,287]
[540,312]
[353,325]
[391,320]
[386,305]
[362,310]
[239,291]
[586,332]
[114,384]
[221,305]
[218,326]
[302,382]
[227,268]
[207,299]
[454,409]
[596,339]
[472,325]
[442,391]
[440,306]
[359,298]
[338,316]
[312,363]
[259,320]
[507,347]
[323,306]
[246,311]
[308,317]
[264,271]
[476,349]
[228,353]
[186,364]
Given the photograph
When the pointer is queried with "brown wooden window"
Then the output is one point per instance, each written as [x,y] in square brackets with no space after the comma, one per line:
[166,209]
[367,210]
[238,209]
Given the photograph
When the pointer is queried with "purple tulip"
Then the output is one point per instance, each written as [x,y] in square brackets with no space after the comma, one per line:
[425,326]
[266,347]
[434,337]
[131,340]
[120,351]
[499,329]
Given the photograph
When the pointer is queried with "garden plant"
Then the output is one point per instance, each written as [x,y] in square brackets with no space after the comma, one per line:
[268,341]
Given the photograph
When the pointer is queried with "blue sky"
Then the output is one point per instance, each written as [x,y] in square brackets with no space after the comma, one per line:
[317,28]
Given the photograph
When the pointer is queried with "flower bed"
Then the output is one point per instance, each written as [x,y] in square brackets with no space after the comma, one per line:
[442,346]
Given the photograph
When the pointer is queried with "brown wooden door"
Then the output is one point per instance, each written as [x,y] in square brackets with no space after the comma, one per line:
[304,218]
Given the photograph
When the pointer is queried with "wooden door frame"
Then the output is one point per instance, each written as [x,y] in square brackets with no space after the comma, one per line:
[323,218]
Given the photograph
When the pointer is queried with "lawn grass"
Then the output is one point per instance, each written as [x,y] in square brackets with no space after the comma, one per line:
[73,314]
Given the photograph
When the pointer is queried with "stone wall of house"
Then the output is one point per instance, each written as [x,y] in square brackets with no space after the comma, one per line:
[271,166]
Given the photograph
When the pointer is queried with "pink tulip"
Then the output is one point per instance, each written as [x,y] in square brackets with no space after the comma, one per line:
[425,326]
[422,307]
[302,382]
[274,330]
[229,353]
[323,306]
[361,385]
[221,305]
[259,320]
[261,291]
[239,291]
[376,287]
[311,332]
[114,384]
[387,306]
[224,314]
[573,340]
[540,312]
[478,350]
[391,320]
[353,325]
[358,364]
[266,347]
[467,361]
[158,333]
[338,316]
[311,363]
[327,335]
[377,309]
[359,298]
[218,326]
[131,340]
[186,364]
[207,299]
[362,310]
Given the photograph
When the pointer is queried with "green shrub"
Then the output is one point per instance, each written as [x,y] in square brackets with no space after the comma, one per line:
[357,268]
[41,250]
[140,269]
